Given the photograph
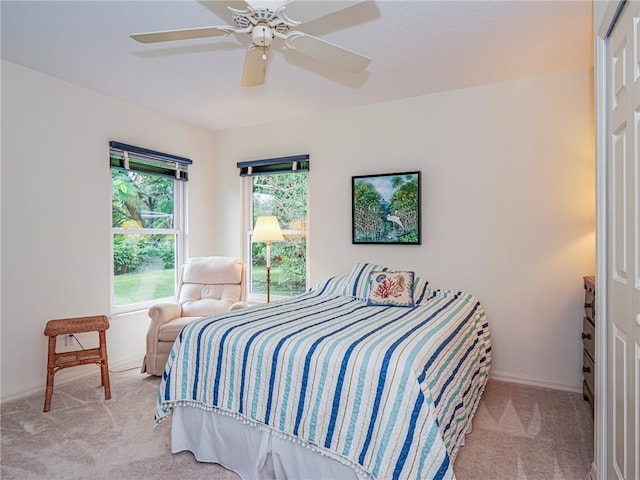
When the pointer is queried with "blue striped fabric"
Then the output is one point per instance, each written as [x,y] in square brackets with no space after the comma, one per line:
[421,291]
[357,283]
[386,390]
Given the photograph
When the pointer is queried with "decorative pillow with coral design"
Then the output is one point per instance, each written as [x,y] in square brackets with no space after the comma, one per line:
[391,289]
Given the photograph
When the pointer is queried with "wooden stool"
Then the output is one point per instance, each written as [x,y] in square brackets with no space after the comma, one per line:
[58,361]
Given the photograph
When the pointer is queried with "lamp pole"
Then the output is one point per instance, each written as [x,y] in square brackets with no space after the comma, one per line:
[268,271]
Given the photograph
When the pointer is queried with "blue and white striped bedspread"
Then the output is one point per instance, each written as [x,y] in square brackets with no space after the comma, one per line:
[387,390]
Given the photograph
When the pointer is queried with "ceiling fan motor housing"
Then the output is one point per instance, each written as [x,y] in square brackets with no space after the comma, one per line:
[261,35]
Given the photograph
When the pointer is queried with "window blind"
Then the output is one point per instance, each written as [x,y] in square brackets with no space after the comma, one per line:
[269,166]
[130,157]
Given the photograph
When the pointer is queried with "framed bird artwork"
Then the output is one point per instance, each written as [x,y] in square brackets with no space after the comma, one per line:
[386,208]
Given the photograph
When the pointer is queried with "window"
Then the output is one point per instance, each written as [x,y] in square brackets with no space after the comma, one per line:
[277,187]
[147,224]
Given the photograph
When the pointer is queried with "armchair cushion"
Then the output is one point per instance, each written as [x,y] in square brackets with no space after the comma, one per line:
[206,306]
[212,270]
[191,292]
[210,285]
[169,331]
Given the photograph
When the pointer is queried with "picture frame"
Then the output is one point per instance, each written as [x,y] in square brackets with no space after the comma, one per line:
[386,208]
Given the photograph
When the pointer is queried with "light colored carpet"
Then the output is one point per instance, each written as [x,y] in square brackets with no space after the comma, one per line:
[522,432]
[519,433]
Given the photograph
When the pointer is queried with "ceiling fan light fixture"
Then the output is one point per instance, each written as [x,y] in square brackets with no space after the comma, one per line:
[261,35]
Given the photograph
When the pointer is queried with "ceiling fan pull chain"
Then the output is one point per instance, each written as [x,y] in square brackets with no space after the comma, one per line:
[264,45]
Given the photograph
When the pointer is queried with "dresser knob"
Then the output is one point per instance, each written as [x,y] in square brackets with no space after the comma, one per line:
[586,369]
[586,336]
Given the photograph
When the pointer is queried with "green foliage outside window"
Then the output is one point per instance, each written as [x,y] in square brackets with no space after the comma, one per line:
[141,201]
[144,259]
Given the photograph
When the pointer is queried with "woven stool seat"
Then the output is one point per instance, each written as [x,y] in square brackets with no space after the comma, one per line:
[59,360]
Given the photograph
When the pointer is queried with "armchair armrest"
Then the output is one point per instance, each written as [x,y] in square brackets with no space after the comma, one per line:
[238,306]
[164,312]
[160,314]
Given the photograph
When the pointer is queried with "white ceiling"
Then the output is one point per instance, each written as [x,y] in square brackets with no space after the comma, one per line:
[416,47]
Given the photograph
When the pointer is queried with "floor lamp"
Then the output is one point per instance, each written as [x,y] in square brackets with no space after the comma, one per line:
[267,230]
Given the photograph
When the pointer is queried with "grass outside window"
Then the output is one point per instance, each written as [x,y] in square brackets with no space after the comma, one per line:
[131,288]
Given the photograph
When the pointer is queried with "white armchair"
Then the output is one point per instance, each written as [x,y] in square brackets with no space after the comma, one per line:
[207,286]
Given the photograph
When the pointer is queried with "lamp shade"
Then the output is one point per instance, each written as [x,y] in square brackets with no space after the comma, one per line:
[267,229]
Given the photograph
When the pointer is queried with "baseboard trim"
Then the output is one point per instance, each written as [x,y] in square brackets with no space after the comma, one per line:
[532,382]
[70,374]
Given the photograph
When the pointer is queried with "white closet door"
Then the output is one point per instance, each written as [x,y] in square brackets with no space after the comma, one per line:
[623,275]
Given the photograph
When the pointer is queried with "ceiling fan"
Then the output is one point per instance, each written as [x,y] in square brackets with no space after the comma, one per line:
[267,21]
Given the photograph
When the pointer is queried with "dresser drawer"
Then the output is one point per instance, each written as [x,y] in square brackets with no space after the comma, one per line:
[589,337]
[587,394]
[590,298]
[588,370]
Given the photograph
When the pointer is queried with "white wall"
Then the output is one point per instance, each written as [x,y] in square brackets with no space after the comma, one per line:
[508,203]
[508,194]
[56,210]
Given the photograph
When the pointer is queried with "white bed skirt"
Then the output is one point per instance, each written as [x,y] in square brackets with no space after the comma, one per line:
[252,452]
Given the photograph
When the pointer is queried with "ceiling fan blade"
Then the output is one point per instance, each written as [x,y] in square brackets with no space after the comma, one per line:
[185,34]
[235,4]
[255,66]
[301,11]
[327,52]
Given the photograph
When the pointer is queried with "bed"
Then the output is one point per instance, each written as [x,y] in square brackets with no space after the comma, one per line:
[334,383]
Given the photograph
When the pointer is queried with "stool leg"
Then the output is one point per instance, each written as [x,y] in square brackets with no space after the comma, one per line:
[104,365]
[51,358]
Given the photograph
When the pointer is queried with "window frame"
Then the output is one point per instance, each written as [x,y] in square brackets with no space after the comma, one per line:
[247,215]
[179,230]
